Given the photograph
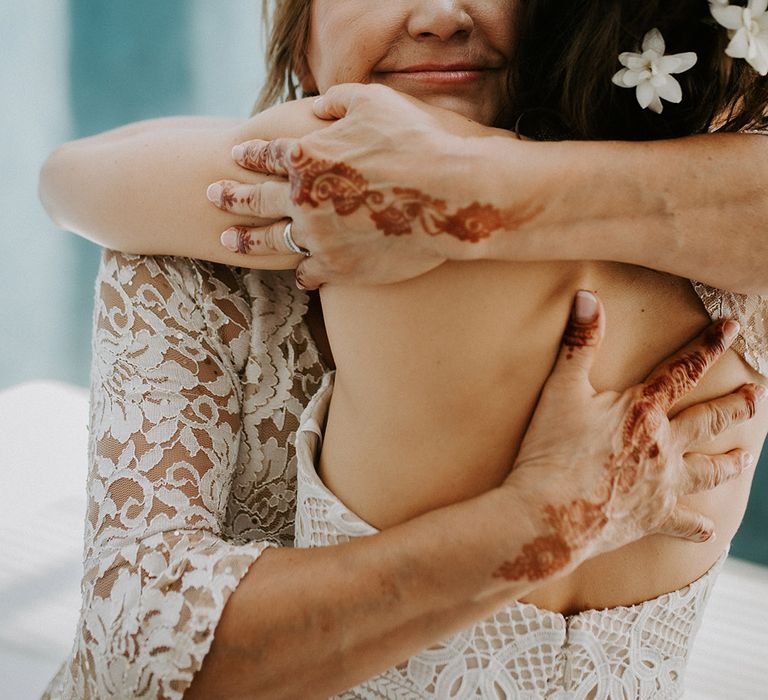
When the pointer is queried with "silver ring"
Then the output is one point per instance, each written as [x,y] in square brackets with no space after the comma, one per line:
[291,244]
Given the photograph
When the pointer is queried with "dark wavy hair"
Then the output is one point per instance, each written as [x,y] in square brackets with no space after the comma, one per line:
[567,52]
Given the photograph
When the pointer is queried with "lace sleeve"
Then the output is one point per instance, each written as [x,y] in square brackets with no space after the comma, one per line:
[163,442]
[751,311]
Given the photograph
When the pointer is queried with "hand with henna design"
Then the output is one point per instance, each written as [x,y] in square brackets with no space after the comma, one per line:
[373,215]
[623,483]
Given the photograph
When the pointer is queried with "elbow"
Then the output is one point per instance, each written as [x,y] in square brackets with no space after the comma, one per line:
[50,185]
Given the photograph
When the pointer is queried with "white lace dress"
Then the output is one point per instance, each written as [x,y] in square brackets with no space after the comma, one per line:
[521,652]
[200,375]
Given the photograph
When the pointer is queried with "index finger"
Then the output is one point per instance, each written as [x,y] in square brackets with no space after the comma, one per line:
[270,157]
[338,100]
[679,374]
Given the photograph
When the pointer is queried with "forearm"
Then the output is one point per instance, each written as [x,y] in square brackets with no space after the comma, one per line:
[695,207]
[312,622]
[141,189]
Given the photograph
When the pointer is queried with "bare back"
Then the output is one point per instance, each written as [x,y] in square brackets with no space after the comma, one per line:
[437,378]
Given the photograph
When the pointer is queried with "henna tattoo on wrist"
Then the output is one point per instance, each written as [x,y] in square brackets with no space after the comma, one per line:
[575,525]
[395,213]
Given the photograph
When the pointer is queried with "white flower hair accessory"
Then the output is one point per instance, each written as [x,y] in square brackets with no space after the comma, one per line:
[747,29]
[650,72]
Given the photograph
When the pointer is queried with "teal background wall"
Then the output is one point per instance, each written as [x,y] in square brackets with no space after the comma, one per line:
[71,69]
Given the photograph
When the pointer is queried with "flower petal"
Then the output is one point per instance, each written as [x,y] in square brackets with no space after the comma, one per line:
[653,41]
[618,78]
[739,46]
[656,105]
[670,90]
[626,56]
[729,16]
[629,78]
[645,93]
[667,64]
[635,61]
[685,61]
[758,7]
[760,60]
[633,78]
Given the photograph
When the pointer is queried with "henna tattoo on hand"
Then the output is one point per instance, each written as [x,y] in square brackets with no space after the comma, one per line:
[578,523]
[395,214]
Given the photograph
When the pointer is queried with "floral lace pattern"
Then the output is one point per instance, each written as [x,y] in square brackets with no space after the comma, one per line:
[200,373]
[751,311]
[199,377]
[521,652]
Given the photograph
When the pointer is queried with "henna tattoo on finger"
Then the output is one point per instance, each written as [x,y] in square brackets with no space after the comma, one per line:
[228,197]
[270,158]
[244,240]
[580,334]
[683,373]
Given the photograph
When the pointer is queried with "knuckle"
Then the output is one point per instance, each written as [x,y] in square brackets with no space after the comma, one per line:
[750,403]
[699,530]
[718,420]
[364,95]
[332,92]
[254,201]
[377,89]
[271,238]
[292,149]
[251,154]
[716,474]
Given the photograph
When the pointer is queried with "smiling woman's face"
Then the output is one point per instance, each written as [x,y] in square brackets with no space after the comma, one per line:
[448,53]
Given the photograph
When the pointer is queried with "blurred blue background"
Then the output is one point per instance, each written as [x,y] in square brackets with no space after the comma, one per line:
[72,69]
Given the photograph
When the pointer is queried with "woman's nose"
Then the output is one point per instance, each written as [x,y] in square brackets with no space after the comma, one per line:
[442,19]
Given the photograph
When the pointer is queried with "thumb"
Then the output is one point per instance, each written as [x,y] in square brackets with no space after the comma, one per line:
[582,337]
[307,277]
[337,101]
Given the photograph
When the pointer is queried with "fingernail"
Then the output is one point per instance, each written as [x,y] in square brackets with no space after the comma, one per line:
[229,239]
[761,392]
[238,152]
[214,192]
[585,307]
[748,461]
[318,103]
[731,328]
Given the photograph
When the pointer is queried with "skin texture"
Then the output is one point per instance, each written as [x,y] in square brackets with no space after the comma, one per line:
[641,429]
[249,660]
[396,212]
[360,607]
[630,483]
[402,34]
[570,524]
[643,239]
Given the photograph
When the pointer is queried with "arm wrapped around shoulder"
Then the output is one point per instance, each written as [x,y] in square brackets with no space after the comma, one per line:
[164,436]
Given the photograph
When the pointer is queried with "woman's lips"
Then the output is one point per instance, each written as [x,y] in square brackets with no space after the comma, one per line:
[438,75]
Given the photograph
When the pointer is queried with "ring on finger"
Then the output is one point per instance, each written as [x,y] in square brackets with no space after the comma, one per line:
[291,244]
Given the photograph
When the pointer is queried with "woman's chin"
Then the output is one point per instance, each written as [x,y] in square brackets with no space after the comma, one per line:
[476,111]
